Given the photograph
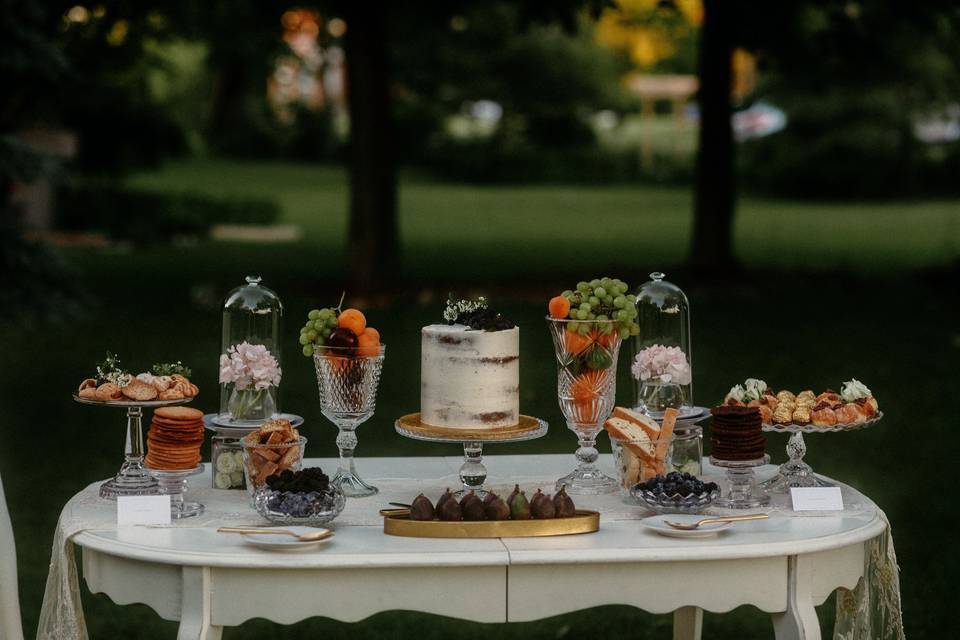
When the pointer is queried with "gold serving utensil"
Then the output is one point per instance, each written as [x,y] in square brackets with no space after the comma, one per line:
[313,536]
[699,523]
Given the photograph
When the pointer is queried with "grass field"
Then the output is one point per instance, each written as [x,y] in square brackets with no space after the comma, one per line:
[880,321]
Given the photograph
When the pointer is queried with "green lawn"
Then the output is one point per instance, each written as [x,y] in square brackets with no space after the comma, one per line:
[894,329]
[571,228]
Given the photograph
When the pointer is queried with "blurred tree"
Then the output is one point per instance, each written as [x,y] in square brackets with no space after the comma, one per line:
[370,37]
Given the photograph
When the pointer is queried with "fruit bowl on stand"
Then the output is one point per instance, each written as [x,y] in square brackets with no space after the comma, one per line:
[348,385]
[473,473]
[133,478]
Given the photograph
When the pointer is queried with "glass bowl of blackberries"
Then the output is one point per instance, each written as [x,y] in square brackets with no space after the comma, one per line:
[676,492]
[304,497]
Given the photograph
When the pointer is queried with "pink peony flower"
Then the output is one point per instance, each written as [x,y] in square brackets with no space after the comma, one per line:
[663,364]
[249,365]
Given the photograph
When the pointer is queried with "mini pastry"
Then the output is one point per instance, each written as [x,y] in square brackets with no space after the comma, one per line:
[108,391]
[806,402]
[808,394]
[139,390]
[766,413]
[89,383]
[786,396]
[848,414]
[801,415]
[783,414]
[832,398]
[866,409]
[89,393]
[823,415]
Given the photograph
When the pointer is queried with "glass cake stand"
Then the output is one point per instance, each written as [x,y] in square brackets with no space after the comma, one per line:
[133,478]
[743,492]
[795,472]
[173,482]
[472,472]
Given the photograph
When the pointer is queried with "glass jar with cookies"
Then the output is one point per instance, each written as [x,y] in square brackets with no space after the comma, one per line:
[250,357]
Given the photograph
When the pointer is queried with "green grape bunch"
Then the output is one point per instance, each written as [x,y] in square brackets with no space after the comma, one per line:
[320,324]
[606,301]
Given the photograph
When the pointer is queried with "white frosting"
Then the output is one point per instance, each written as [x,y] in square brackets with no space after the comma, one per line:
[469,378]
[853,390]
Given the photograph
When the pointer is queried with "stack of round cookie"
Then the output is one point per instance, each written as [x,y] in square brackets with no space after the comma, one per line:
[174,438]
[735,433]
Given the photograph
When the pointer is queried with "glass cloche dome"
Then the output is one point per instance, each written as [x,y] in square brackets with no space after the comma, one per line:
[250,353]
[662,359]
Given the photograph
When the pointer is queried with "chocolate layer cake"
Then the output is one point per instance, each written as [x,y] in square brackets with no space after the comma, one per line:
[735,433]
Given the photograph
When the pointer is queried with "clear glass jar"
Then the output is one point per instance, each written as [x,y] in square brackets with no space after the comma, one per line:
[252,314]
[688,449]
[662,364]
[226,462]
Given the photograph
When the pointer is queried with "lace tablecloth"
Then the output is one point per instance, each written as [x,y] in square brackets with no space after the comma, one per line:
[871,611]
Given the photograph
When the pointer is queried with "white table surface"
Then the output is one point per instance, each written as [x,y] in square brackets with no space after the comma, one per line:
[784,565]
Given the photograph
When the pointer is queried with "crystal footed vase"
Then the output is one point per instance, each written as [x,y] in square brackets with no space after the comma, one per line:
[655,397]
[348,396]
[586,353]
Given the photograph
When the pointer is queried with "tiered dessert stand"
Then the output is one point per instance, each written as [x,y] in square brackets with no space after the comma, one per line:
[795,472]
[133,478]
[472,472]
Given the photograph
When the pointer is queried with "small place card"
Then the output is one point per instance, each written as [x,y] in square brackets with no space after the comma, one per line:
[143,510]
[816,498]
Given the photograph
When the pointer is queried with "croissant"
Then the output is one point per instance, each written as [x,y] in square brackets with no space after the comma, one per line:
[864,408]
[823,415]
[801,415]
[766,413]
[832,398]
[848,414]
[873,407]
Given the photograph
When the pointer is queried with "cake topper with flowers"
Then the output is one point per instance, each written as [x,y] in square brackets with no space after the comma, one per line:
[475,314]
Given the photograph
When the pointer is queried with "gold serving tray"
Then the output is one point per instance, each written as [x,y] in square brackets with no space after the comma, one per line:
[397,522]
[411,422]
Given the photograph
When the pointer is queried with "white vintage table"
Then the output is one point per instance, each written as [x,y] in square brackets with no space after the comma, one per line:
[785,565]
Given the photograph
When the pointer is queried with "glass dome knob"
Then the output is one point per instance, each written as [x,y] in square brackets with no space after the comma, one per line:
[657,276]
[253,280]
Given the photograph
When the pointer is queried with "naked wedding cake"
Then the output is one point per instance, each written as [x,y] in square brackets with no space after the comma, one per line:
[470,369]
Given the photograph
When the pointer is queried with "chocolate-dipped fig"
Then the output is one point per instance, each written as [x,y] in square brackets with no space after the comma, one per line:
[497,509]
[474,510]
[449,510]
[468,498]
[446,496]
[563,504]
[490,497]
[513,495]
[520,508]
[541,507]
[421,509]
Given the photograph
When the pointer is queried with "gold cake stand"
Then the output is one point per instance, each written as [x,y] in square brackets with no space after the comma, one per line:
[472,472]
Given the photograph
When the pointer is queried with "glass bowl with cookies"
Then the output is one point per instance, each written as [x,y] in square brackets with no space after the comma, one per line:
[642,447]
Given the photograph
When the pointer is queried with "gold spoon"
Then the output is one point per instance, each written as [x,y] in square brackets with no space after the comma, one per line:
[696,525]
[313,536]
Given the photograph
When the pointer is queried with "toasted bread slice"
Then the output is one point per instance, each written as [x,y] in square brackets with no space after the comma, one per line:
[290,457]
[276,425]
[266,454]
[644,422]
[632,437]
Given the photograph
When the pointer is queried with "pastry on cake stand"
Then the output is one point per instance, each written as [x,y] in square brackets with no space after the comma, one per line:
[133,478]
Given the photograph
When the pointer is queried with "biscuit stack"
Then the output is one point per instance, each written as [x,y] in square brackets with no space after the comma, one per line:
[174,438]
[735,433]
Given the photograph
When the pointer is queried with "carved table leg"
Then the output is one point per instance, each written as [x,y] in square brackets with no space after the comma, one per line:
[195,606]
[687,623]
[799,621]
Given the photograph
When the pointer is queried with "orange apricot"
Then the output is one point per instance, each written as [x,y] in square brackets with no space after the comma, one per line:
[353,320]
[559,307]
[576,343]
[373,332]
[368,344]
